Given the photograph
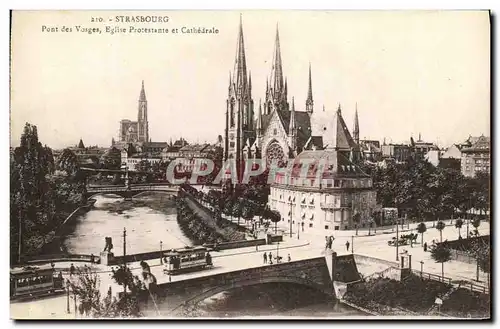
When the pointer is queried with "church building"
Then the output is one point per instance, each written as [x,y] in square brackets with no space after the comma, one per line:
[337,196]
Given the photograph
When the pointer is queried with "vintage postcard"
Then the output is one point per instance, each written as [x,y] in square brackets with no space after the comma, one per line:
[250,164]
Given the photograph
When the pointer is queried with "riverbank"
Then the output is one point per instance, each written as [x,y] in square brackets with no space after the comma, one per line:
[415,296]
[156,201]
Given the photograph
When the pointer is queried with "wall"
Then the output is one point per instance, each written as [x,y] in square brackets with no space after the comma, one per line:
[312,272]
[222,246]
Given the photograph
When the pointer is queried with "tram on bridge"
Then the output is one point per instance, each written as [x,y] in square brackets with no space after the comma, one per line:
[34,281]
[186,259]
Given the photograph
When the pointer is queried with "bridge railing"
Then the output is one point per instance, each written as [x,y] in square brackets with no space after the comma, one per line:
[60,257]
[123,188]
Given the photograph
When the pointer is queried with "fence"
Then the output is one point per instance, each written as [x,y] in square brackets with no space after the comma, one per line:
[434,277]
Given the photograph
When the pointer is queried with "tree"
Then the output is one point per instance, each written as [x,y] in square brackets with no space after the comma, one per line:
[87,289]
[111,159]
[237,208]
[441,254]
[68,162]
[476,223]
[275,217]
[356,219]
[440,227]
[32,209]
[458,224]
[421,228]
[248,212]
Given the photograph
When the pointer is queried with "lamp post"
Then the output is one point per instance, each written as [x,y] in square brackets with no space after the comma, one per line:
[161,253]
[124,259]
[397,239]
[298,230]
[67,297]
[352,244]
[421,268]
[277,251]
[290,200]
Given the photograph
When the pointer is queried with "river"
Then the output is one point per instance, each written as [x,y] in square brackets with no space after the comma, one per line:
[152,219]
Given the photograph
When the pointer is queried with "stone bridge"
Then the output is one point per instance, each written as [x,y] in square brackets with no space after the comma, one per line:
[130,190]
[171,297]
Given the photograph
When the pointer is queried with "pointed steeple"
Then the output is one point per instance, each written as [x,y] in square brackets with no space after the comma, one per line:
[292,126]
[355,131]
[250,83]
[309,100]
[259,118]
[277,68]
[286,88]
[337,136]
[240,65]
[142,96]
[80,144]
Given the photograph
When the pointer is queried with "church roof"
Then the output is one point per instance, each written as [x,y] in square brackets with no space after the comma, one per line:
[337,164]
[336,135]
[314,142]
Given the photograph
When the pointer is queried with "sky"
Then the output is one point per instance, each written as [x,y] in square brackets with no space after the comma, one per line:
[409,72]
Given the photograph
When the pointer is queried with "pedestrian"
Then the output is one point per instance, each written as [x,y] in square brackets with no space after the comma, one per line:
[270,257]
[91,258]
[71,270]
[270,261]
[289,258]
[425,246]
[265,258]
[347,244]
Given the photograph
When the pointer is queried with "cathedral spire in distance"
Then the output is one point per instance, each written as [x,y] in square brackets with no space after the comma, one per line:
[355,131]
[309,100]
[259,118]
[142,96]
[277,68]
[240,65]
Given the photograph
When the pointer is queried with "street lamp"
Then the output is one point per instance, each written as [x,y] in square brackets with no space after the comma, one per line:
[397,239]
[67,296]
[161,253]
[421,268]
[298,230]
[352,244]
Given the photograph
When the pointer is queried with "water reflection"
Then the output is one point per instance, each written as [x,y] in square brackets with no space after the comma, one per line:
[146,226]
[269,300]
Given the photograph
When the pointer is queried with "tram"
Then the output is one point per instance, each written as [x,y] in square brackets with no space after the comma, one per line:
[34,281]
[186,259]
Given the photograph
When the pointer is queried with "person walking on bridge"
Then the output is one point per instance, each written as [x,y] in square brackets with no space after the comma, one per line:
[347,244]
[265,257]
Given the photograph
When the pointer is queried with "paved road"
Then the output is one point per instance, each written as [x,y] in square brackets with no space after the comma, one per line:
[309,244]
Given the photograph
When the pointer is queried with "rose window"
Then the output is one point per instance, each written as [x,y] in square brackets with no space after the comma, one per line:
[275,153]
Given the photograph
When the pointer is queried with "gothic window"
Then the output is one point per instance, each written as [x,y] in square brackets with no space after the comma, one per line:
[275,131]
[231,113]
[274,152]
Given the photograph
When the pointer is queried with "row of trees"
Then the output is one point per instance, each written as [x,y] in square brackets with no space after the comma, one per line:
[475,247]
[231,205]
[426,192]
[194,227]
[43,192]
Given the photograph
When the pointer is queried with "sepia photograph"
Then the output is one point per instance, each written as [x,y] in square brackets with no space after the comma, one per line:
[250,164]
